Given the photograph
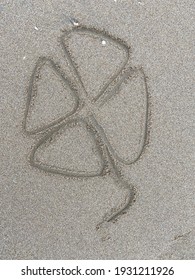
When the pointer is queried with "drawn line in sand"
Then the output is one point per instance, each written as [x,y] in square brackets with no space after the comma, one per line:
[103,36]
[32,93]
[122,80]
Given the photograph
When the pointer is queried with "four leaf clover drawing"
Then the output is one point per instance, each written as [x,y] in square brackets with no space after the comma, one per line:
[88,124]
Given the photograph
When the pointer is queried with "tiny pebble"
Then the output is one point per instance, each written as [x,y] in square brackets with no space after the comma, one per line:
[74,22]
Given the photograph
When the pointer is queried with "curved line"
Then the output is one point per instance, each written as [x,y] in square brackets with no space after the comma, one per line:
[118,179]
[64,171]
[130,197]
[92,30]
[145,132]
[40,63]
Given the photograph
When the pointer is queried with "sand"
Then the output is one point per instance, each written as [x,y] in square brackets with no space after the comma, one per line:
[97,130]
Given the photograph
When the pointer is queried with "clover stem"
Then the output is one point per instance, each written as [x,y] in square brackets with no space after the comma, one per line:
[112,167]
[130,189]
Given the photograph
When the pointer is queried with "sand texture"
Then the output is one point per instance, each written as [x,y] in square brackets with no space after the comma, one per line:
[97,130]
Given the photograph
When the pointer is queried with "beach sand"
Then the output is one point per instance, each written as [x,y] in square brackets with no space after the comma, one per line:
[97,105]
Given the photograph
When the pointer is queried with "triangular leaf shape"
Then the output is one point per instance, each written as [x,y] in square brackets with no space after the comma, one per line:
[98,58]
[124,118]
[70,150]
[51,97]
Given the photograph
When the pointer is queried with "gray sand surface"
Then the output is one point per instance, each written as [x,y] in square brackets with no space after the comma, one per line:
[97,103]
